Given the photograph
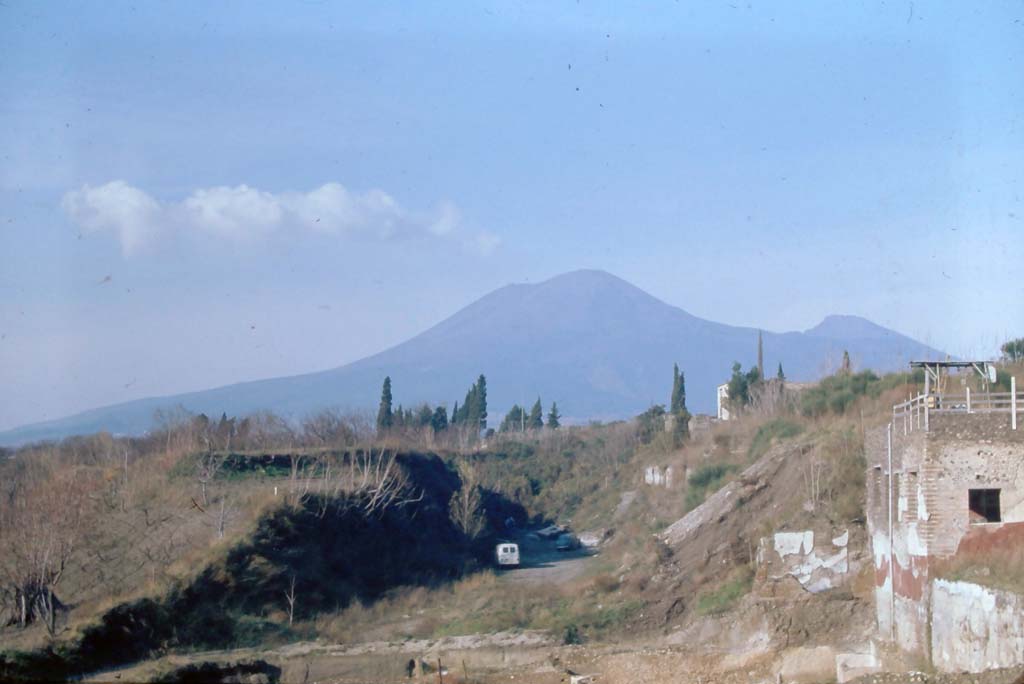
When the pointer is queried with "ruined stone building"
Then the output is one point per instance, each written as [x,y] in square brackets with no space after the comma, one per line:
[945,483]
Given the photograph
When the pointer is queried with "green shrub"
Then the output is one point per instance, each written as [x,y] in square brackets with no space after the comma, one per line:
[650,423]
[705,479]
[723,597]
[710,474]
[836,393]
[780,428]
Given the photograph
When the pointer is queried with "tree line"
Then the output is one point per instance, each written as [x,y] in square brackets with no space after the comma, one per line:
[518,419]
[470,417]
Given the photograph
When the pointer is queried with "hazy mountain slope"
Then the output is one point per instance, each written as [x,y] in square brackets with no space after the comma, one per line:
[597,345]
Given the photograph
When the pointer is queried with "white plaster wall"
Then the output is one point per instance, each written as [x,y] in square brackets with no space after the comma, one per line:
[816,568]
[883,593]
[911,617]
[975,628]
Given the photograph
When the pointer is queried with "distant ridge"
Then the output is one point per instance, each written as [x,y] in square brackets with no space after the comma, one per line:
[598,345]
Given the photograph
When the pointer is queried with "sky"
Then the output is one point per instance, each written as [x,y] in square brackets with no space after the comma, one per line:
[193,194]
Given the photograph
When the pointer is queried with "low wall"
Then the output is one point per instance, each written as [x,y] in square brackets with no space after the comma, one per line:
[975,628]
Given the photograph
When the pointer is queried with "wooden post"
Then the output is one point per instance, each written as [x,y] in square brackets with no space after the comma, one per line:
[440,674]
[968,399]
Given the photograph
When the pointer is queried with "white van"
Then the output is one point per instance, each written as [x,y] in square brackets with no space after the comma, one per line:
[507,555]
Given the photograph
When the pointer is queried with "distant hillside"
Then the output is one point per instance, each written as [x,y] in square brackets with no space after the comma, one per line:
[599,346]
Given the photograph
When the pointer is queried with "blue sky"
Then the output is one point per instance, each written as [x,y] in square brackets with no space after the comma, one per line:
[193,194]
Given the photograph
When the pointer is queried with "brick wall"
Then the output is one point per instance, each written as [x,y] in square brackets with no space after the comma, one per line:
[932,474]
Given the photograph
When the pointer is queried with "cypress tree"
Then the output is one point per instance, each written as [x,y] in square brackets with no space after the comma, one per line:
[681,429]
[553,417]
[780,375]
[385,418]
[481,402]
[513,421]
[681,407]
[455,412]
[469,408]
[674,403]
[536,420]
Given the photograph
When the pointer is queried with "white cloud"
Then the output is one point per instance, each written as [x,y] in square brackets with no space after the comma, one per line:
[332,208]
[118,208]
[237,213]
[246,213]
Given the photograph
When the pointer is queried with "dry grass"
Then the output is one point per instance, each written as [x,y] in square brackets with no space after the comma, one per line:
[482,604]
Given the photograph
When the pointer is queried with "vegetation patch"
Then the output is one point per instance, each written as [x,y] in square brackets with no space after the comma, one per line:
[704,480]
[777,429]
[560,475]
[837,393]
[998,568]
[723,597]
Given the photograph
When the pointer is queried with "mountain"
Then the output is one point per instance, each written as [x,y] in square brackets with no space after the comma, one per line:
[599,346]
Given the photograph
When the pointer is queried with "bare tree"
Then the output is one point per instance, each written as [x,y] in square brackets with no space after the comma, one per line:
[812,472]
[465,505]
[266,430]
[41,526]
[223,513]
[290,598]
[328,429]
[207,466]
[371,480]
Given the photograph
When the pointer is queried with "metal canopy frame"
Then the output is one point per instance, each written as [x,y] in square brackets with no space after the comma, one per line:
[933,370]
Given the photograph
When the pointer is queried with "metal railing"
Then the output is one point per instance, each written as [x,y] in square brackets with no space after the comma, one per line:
[915,413]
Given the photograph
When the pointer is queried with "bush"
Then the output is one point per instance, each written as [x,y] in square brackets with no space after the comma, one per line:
[707,478]
[780,428]
[572,635]
[837,393]
[710,474]
[650,423]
